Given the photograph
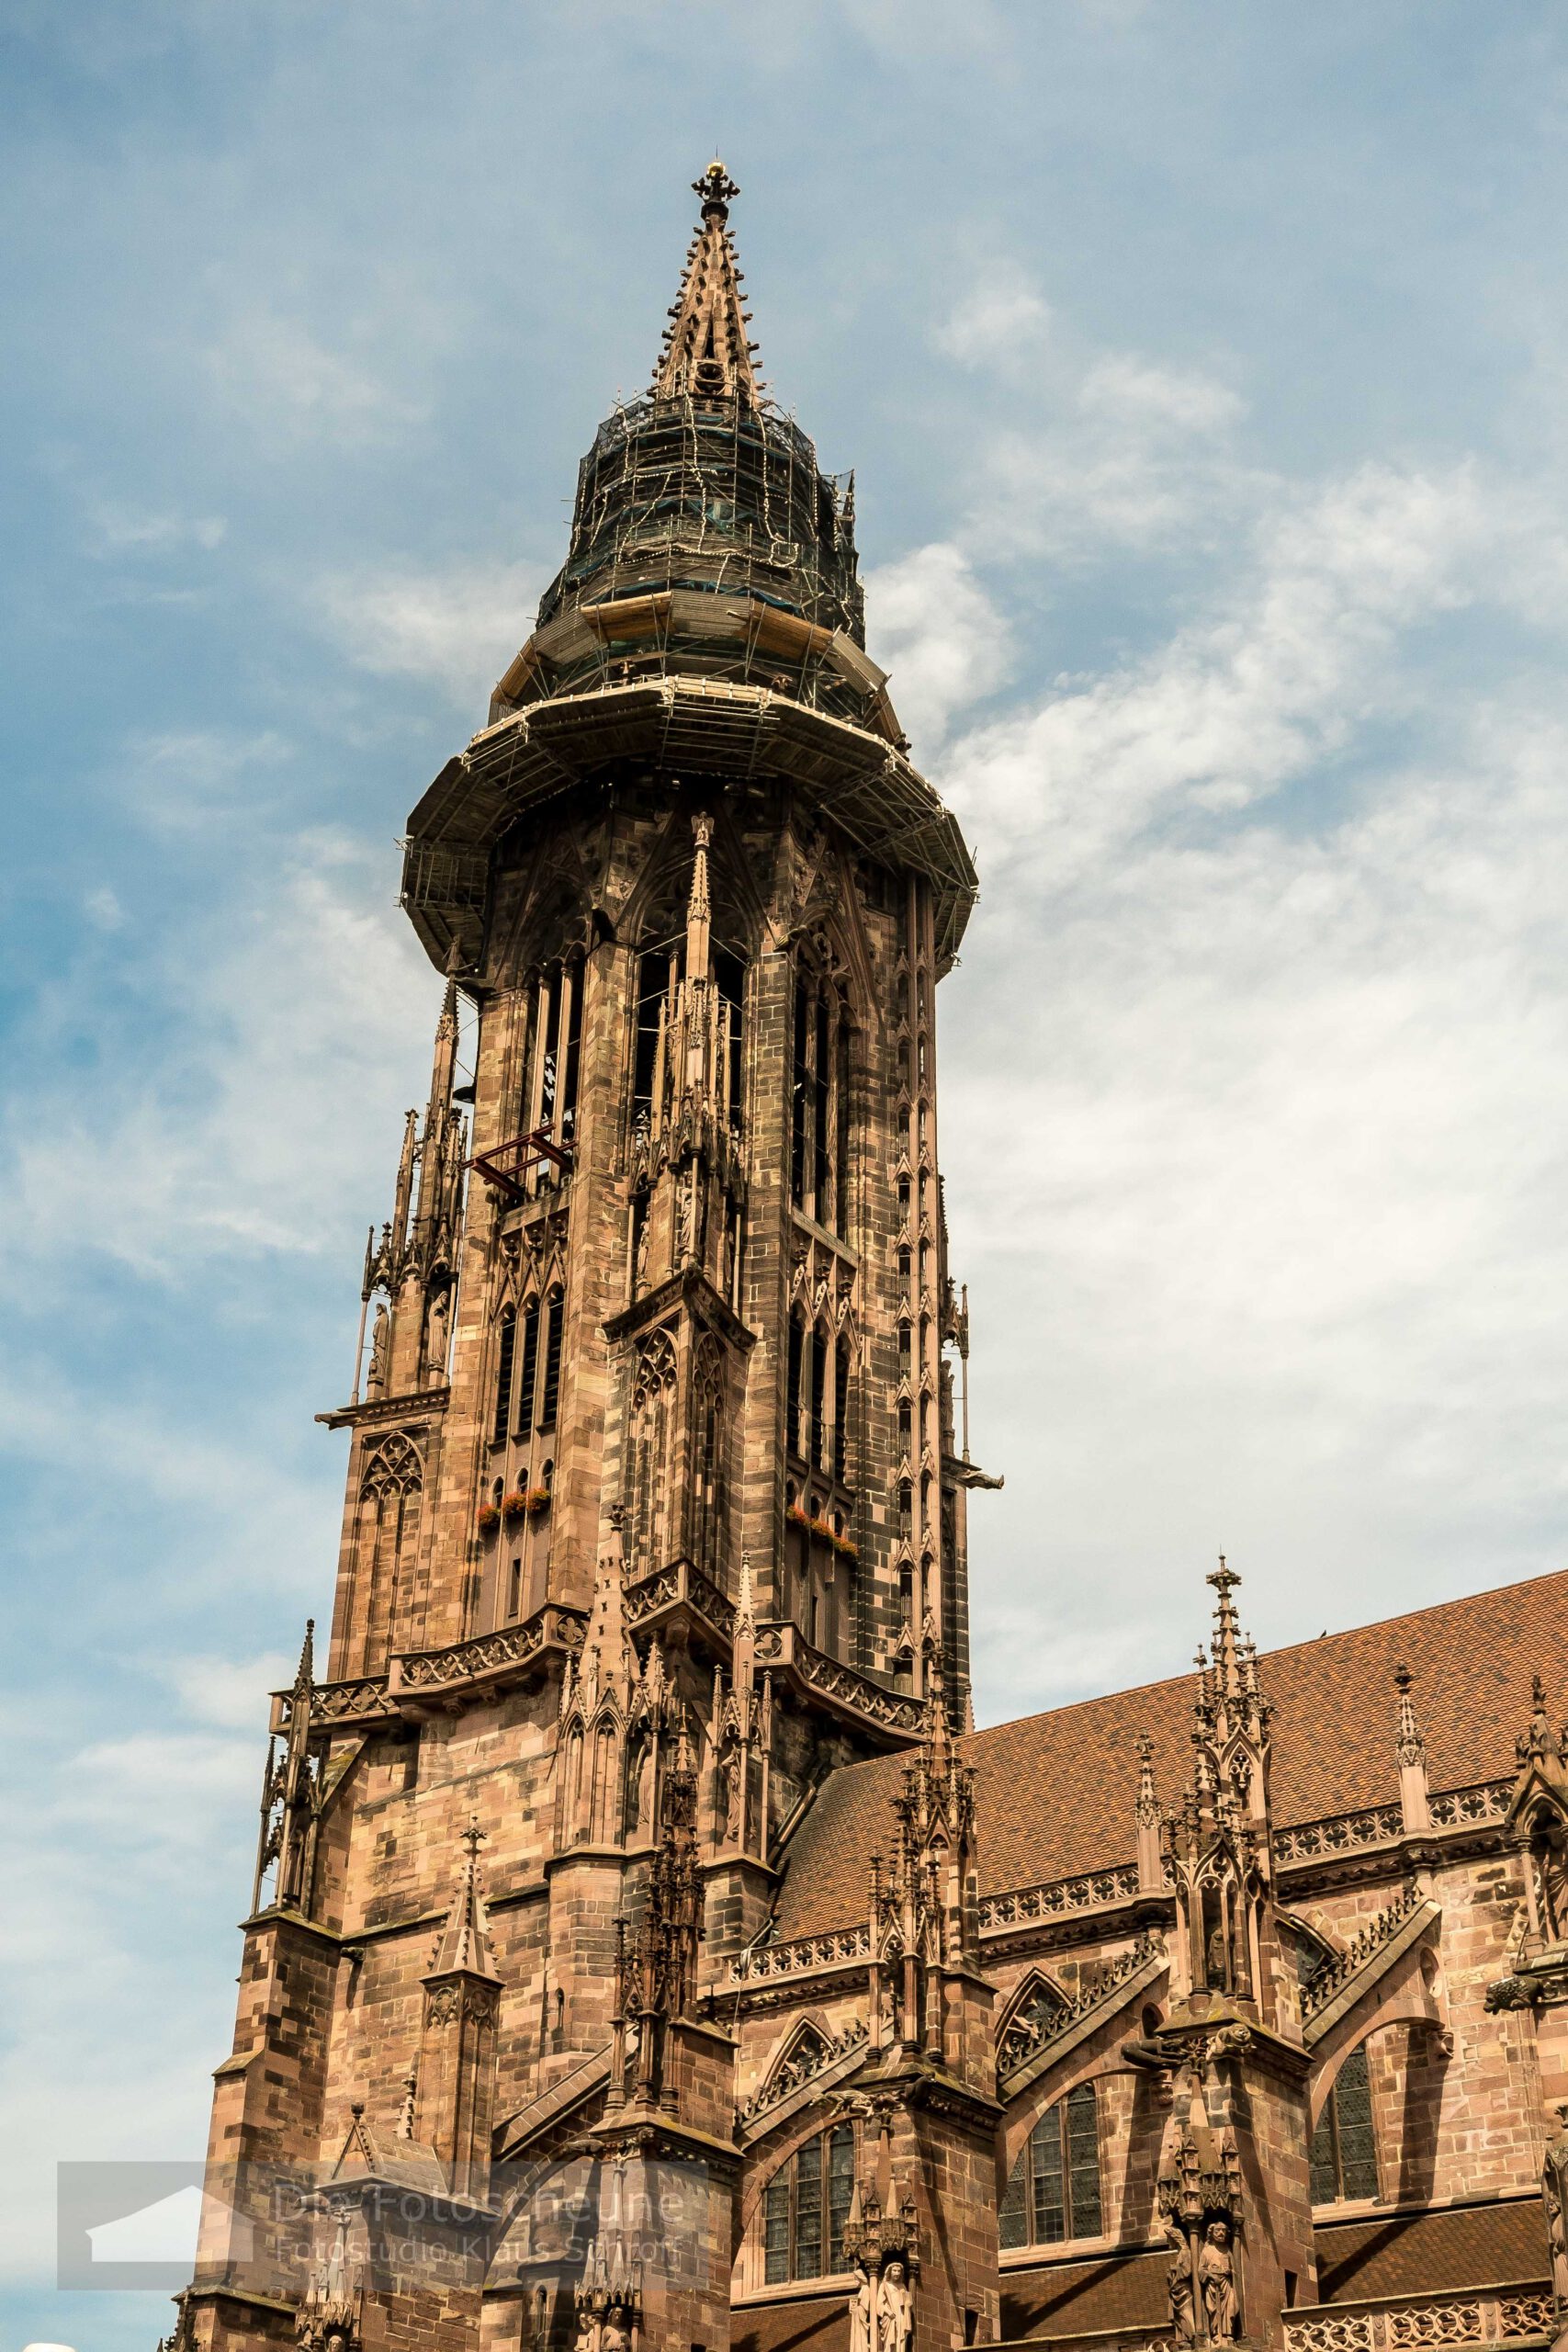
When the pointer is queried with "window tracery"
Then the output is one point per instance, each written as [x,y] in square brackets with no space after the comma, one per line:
[652,1441]
[1053,2191]
[1344,2157]
[391,1493]
[820,1103]
[805,2207]
[1032,2021]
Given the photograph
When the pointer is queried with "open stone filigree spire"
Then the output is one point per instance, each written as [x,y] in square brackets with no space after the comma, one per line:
[706,354]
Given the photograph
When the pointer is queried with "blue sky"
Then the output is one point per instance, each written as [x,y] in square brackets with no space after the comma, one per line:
[1203,368]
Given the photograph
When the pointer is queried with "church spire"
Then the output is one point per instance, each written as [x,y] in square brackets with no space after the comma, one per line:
[464,1946]
[707,355]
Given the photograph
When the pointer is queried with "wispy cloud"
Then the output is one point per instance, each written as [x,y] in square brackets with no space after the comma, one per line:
[118,528]
[455,629]
[999,323]
[1250,1174]
[940,635]
[290,385]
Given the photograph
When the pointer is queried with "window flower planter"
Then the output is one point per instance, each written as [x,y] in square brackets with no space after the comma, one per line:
[536,1501]
[512,1507]
[489,1519]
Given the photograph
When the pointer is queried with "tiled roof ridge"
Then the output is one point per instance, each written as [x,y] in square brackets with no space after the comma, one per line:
[1432,1608]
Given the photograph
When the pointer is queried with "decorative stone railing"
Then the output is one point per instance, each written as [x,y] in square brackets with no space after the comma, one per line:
[1093,1891]
[803,1956]
[1344,1833]
[1494,2315]
[1383,1825]
[896,1708]
[415,1673]
[1016,2053]
[780,1647]
[483,1654]
[1457,1808]
[335,1703]
[682,1580]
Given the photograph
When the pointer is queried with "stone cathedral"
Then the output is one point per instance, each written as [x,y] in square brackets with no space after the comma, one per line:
[646,1953]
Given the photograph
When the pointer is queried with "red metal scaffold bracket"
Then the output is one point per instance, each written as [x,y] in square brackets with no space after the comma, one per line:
[505,1167]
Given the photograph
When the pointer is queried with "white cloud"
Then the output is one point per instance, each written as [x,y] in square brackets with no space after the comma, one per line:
[1254,1139]
[1085,452]
[1181,400]
[1000,323]
[118,528]
[103,910]
[456,629]
[939,634]
[1232,708]
[292,388]
[231,1693]
[273,1104]
[164,1791]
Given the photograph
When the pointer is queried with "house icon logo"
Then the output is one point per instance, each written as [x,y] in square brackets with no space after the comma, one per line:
[138,2225]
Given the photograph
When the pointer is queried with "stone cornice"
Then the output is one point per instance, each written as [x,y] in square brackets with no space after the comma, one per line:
[690,1288]
[420,1405]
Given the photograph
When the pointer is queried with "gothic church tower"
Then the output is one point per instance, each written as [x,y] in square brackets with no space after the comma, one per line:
[655,1511]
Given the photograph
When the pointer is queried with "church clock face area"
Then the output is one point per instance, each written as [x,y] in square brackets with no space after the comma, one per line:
[645,1952]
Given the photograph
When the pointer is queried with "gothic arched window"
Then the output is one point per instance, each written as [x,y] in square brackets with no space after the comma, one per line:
[505,1355]
[795,1384]
[819,1112]
[528,1381]
[391,1496]
[550,1386]
[806,2206]
[1053,2191]
[1344,2148]
[841,1408]
[652,1452]
[554,1050]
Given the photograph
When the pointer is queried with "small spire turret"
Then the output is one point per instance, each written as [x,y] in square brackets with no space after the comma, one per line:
[706,354]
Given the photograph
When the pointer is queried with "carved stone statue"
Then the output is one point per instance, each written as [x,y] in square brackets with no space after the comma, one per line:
[1216,2281]
[1178,2285]
[894,2308]
[1555,2200]
[436,1333]
[380,1344]
[615,2335]
[862,2311]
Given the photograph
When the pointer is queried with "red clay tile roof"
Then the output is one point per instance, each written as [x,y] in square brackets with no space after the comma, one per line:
[1422,2253]
[1083,2298]
[821,2324]
[1055,1790]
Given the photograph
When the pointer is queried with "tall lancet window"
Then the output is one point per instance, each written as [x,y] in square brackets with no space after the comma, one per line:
[391,1496]
[651,1453]
[553,1058]
[820,1101]
[689,1000]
